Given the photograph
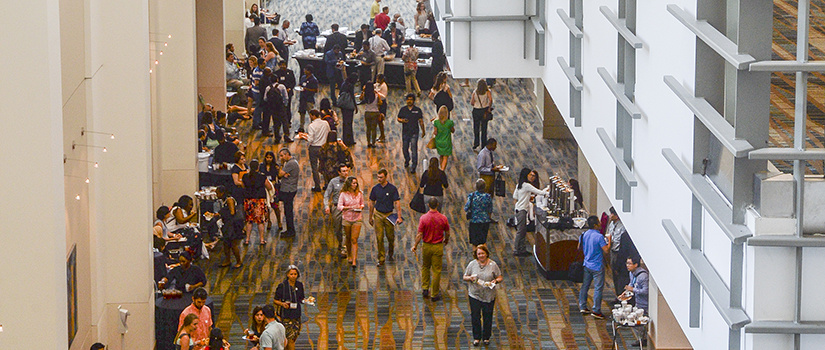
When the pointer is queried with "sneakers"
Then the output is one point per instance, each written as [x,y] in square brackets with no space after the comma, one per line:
[380,263]
[597,315]
[585,311]
[342,253]
[436,298]
[425,293]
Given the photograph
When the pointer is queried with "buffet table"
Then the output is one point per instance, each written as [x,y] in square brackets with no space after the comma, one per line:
[555,249]
[393,70]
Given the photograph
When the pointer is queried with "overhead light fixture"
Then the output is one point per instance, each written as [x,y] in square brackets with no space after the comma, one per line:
[83,130]
[66,159]
[75,145]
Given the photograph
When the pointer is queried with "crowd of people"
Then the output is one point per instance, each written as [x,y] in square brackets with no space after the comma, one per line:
[259,191]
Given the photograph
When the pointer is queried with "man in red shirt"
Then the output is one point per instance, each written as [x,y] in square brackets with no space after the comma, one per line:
[198,307]
[434,229]
[382,20]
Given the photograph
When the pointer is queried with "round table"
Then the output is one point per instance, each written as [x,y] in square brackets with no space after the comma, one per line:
[167,314]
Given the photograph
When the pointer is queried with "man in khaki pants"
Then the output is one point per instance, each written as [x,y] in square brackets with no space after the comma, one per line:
[434,230]
[384,197]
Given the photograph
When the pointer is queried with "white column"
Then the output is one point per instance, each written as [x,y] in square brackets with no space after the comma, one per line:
[233,28]
[210,45]
[174,100]
[33,238]
[121,209]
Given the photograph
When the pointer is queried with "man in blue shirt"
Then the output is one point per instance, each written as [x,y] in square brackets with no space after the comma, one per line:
[384,198]
[411,118]
[306,100]
[593,244]
[334,61]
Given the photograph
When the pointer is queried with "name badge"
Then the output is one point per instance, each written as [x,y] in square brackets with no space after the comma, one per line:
[293,305]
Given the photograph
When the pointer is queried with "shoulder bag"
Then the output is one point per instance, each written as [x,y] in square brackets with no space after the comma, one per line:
[469,213]
[431,143]
[417,202]
[500,187]
[345,100]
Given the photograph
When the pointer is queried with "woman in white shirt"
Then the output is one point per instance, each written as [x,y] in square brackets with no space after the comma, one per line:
[420,17]
[482,101]
[522,195]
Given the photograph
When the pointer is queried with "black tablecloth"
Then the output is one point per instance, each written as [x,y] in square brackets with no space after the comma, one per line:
[215,178]
[167,313]
[393,72]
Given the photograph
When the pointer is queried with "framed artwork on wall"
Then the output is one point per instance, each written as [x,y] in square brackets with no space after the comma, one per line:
[71,284]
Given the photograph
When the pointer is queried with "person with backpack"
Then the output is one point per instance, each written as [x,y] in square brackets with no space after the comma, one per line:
[346,101]
[593,245]
[621,248]
[272,102]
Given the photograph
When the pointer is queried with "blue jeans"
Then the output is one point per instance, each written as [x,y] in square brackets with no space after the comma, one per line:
[409,148]
[257,113]
[597,277]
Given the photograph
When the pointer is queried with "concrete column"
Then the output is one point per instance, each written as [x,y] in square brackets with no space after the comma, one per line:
[210,50]
[665,332]
[233,28]
[174,100]
[34,267]
[121,208]
[555,127]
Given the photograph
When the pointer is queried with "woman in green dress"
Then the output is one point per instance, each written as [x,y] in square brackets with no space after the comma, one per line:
[444,129]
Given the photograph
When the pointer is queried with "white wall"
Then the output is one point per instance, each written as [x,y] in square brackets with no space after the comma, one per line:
[669,49]
[33,278]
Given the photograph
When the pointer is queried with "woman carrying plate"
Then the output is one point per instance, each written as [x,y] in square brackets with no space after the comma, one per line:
[289,295]
[257,325]
[483,275]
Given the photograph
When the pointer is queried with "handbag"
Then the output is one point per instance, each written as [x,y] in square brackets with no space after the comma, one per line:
[488,113]
[500,187]
[469,213]
[431,143]
[345,100]
[417,202]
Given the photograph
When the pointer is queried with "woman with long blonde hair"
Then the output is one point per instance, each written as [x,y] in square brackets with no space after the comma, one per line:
[350,204]
[482,102]
[444,129]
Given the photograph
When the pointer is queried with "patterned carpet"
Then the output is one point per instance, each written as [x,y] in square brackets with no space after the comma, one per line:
[381,307]
[782,84]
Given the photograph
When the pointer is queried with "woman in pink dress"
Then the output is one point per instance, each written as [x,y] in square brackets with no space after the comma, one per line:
[351,203]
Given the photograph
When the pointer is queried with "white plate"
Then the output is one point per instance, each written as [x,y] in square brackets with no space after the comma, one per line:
[505,168]
[299,88]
